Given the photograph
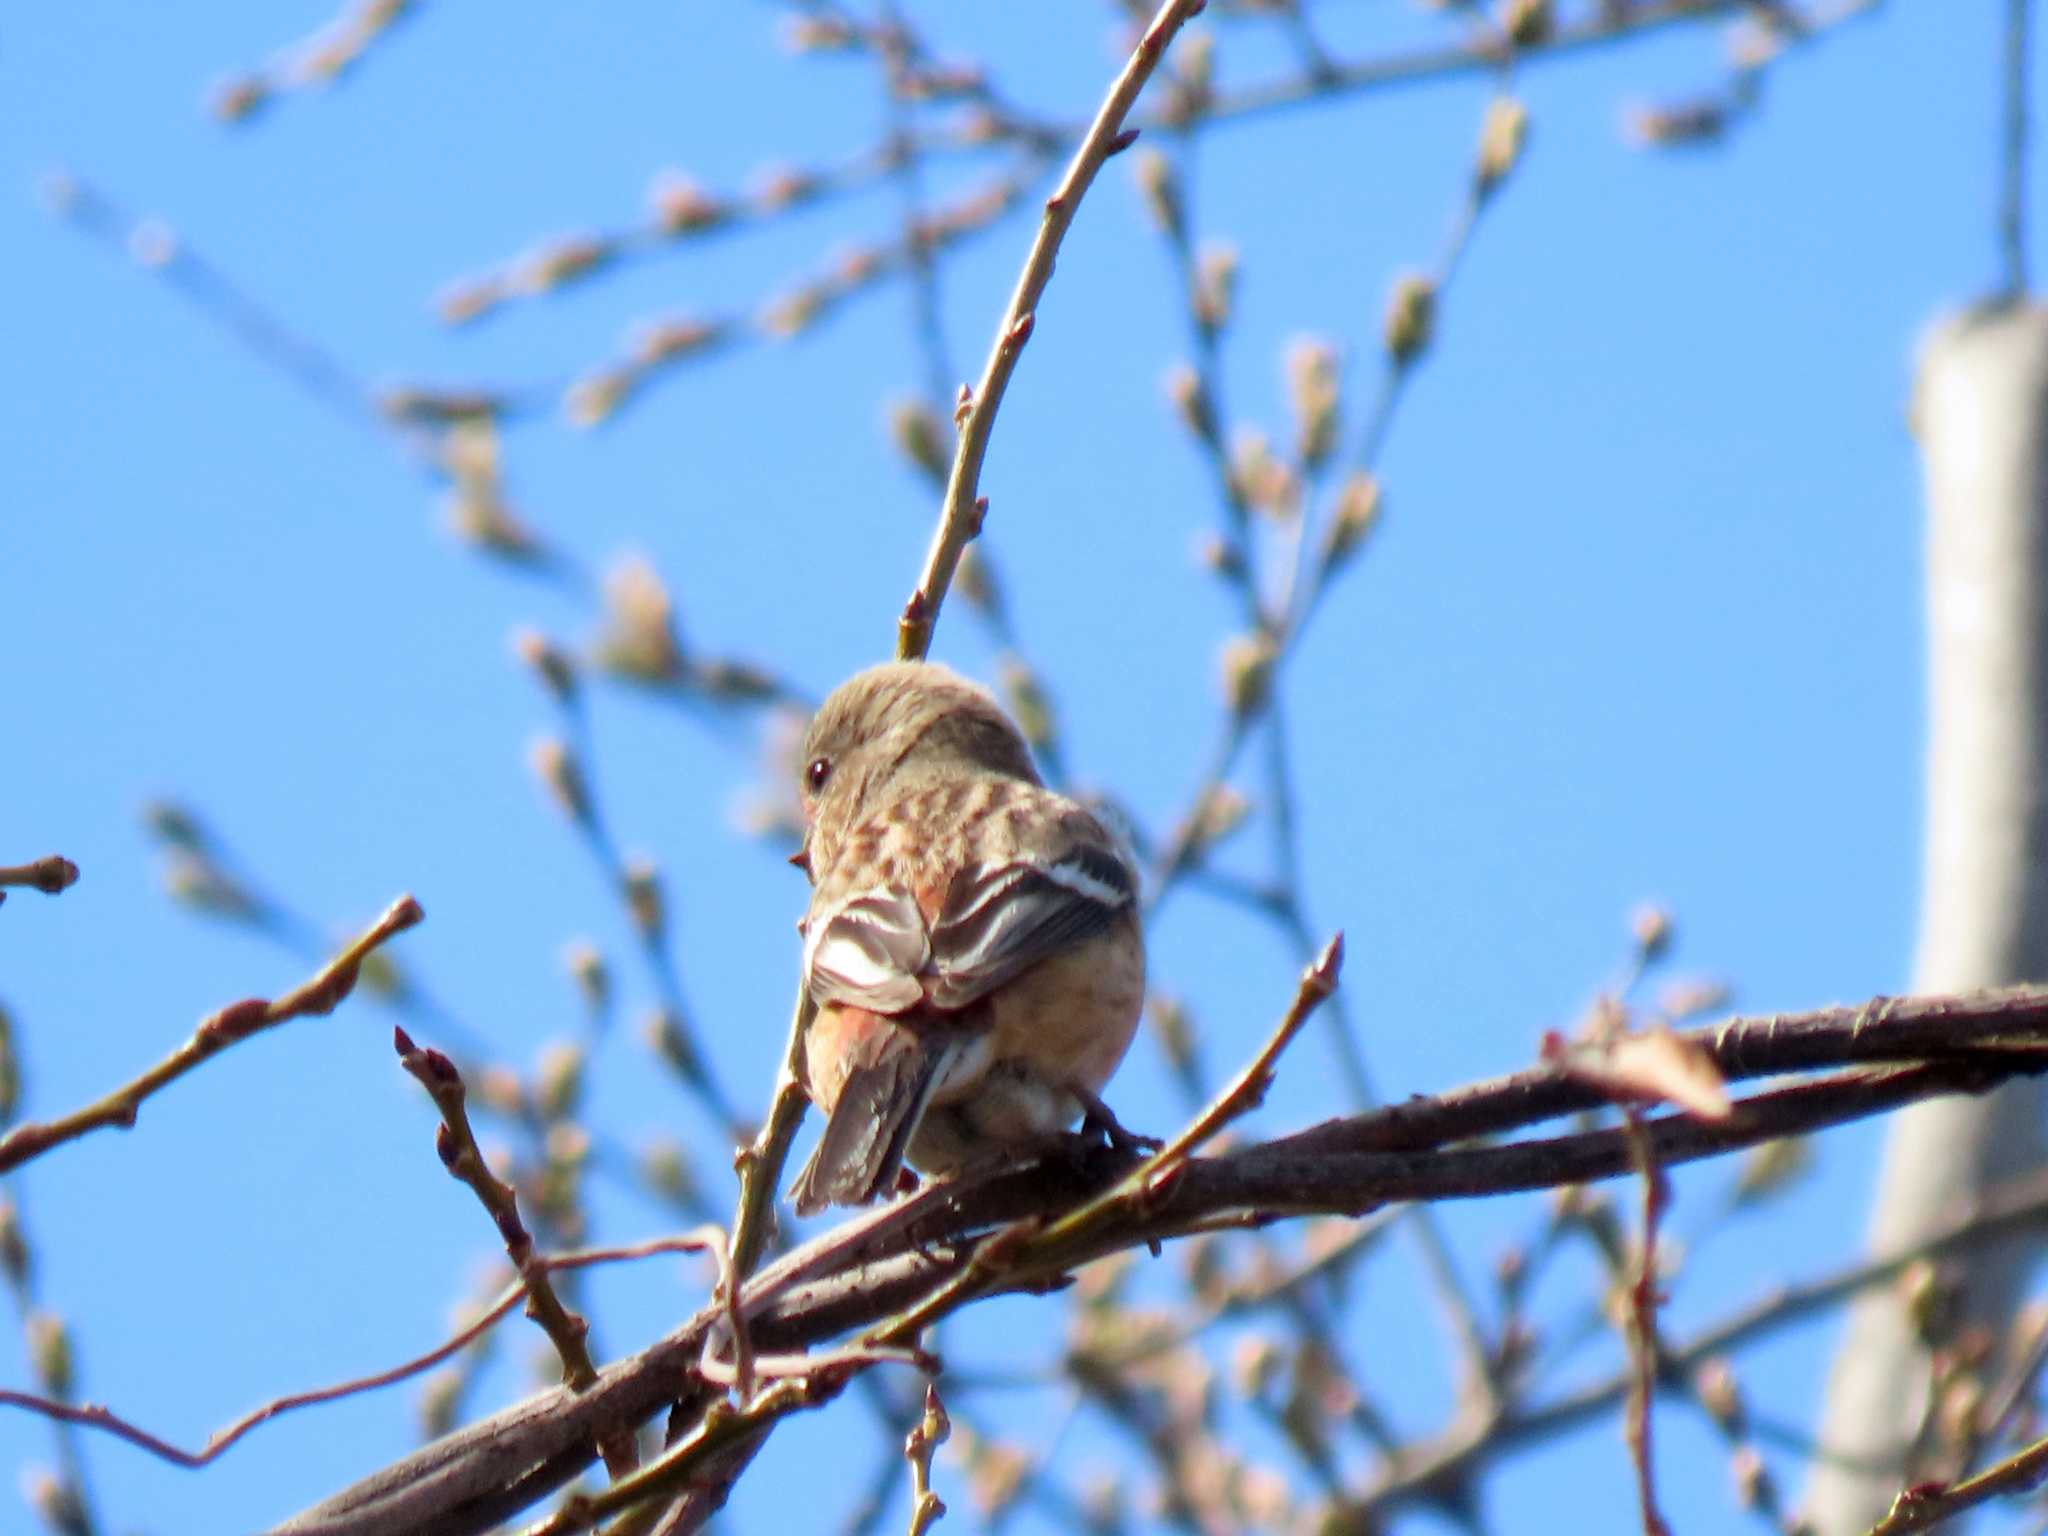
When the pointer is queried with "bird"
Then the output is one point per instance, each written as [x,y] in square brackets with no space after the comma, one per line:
[972,943]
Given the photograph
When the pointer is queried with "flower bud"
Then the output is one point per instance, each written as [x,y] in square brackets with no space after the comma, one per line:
[1027,700]
[1191,401]
[1247,665]
[1502,137]
[1161,190]
[680,207]
[562,776]
[548,662]
[644,898]
[558,1081]
[1312,390]
[49,1353]
[1215,285]
[593,978]
[1356,514]
[1411,317]
[921,437]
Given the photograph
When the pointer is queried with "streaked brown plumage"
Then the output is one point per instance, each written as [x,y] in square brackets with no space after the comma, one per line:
[972,940]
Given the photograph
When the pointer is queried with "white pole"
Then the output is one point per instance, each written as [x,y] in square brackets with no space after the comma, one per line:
[1981,416]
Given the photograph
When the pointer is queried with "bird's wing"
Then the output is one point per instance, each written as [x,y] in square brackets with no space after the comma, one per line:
[1001,917]
[868,950]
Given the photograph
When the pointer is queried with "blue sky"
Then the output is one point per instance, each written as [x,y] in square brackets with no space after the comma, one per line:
[1642,624]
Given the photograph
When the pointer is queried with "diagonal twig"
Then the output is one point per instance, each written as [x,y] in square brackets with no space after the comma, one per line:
[219,1030]
[961,514]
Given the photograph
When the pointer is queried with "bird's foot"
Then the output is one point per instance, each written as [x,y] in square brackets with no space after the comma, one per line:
[1098,1119]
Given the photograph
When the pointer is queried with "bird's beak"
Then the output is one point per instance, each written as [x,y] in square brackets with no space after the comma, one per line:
[802,857]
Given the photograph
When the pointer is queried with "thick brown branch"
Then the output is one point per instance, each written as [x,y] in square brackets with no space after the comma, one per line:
[920,1256]
[1985,1025]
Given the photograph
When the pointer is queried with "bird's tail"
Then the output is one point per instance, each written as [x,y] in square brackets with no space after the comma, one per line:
[878,1111]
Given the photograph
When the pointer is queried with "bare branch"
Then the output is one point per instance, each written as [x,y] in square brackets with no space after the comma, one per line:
[464,1160]
[929,1433]
[961,514]
[892,1271]
[50,875]
[1922,1507]
[319,995]
[95,1416]
[1643,1347]
[321,59]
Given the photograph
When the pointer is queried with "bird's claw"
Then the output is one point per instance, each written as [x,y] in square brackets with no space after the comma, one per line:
[1098,1119]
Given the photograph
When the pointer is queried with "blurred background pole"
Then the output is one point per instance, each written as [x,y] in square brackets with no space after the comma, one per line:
[1981,416]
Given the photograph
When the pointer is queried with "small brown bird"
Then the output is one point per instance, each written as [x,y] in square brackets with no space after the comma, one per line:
[972,941]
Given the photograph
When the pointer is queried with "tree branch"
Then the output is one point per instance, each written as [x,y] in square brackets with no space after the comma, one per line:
[919,1257]
[319,995]
[961,514]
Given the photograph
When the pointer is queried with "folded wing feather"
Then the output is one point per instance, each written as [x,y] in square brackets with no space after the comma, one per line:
[996,921]
[877,952]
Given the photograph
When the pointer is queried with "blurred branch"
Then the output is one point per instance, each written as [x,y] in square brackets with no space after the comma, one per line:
[202,874]
[664,344]
[321,59]
[157,248]
[681,211]
[1598,26]
[63,1496]
[236,1022]
[638,885]
[2012,160]
[1429,1465]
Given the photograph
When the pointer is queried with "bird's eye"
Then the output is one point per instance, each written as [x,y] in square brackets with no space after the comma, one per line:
[816,775]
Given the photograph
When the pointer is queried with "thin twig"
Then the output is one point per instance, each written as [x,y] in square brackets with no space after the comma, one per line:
[721,1430]
[321,59]
[1922,1507]
[1239,1097]
[930,1432]
[51,1355]
[2013,145]
[154,246]
[457,1147]
[760,1164]
[236,1022]
[1641,1327]
[636,884]
[50,874]
[897,51]
[961,514]
[97,1416]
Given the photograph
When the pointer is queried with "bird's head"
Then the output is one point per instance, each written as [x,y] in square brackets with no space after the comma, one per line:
[886,731]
